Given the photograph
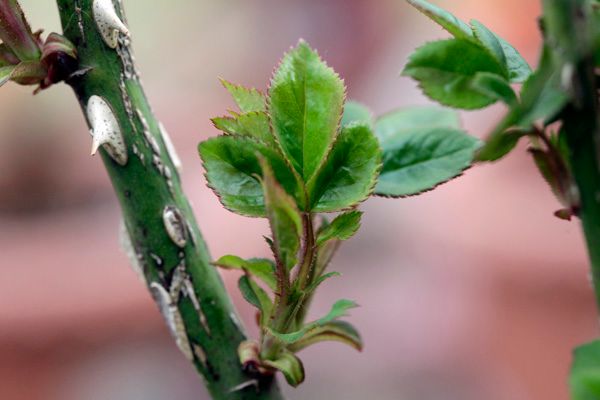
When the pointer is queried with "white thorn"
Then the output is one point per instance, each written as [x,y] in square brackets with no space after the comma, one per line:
[95,144]
[170,148]
[175,225]
[173,318]
[106,131]
[108,22]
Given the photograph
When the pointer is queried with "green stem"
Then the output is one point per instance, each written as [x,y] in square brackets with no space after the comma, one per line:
[292,308]
[145,186]
[305,271]
[569,29]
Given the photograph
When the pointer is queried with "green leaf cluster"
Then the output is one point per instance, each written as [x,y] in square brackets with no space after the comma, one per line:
[423,147]
[287,156]
[477,68]
[301,150]
[296,129]
[472,70]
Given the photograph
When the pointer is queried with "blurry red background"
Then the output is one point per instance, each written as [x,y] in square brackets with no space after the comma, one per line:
[473,291]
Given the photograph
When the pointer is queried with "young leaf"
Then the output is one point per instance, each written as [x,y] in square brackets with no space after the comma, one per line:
[313,286]
[339,331]
[253,124]
[499,143]
[248,100]
[343,227]
[284,218]
[338,310]
[584,379]
[356,112]
[518,69]
[350,173]
[443,18]
[505,53]
[405,120]
[256,296]
[306,100]
[232,168]
[419,160]
[260,268]
[445,71]
[290,366]
[494,86]
[489,40]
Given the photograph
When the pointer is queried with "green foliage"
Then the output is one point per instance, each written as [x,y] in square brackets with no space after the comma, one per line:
[585,372]
[349,173]
[254,124]
[248,100]
[506,55]
[260,268]
[356,112]
[300,151]
[343,227]
[284,219]
[443,18]
[422,148]
[338,310]
[494,87]
[290,366]
[232,170]
[542,98]
[306,98]
[447,78]
[339,331]
[256,296]
[475,70]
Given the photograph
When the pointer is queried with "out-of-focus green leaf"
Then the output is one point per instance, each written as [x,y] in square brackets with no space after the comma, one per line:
[403,121]
[339,331]
[232,168]
[542,98]
[284,218]
[445,71]
[350,173]
[290,366]
[343,227]
[306,101]
[260,268]
[356,112]
[445,19]
[507,55]
[419,160]
[518,69]
[248,100]
[494,86]
[489,40]
[499,143]
[584,380]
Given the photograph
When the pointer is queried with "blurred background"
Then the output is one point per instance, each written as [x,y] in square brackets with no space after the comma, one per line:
[473,291]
